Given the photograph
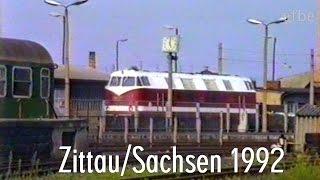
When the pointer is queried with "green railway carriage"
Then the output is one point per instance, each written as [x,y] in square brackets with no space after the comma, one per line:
[26,80]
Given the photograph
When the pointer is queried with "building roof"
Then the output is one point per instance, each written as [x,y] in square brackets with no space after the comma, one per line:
[296,81]
[23,51]
[309,110]
[80,73]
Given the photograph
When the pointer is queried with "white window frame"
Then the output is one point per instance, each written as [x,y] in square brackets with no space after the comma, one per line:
[49,85]
[13,80]
[5,81]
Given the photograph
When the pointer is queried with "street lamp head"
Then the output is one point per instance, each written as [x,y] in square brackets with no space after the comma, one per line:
[169,27]
[123,40]
[172,28]
[53,2]
[56,14]
[254,21]
[280,20]
[79,2]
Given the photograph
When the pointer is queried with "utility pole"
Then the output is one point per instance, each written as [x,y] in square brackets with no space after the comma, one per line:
[220,58]
[274,59]
[311,88]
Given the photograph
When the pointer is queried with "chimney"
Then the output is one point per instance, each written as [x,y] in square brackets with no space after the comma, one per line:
[92,59]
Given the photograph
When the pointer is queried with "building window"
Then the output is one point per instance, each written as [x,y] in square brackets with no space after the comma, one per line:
[211,84]
[128,81]
[3,81]
[22,82]
[228,85]
[45,83]
[188,84]
[115,81]
[292,107]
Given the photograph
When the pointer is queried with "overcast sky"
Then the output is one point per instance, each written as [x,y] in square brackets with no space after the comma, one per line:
[96,26]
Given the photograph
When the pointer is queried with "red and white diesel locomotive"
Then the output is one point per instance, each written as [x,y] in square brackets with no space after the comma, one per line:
[142,94]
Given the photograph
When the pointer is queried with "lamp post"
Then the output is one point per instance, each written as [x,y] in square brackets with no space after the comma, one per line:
[265,64]
[117,52]
[175,61]
[66,46]
[58,15]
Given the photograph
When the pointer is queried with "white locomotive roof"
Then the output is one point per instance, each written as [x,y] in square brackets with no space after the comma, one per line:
[181,81]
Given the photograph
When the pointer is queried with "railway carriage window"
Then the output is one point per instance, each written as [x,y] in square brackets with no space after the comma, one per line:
[227,84]
[45,83]
[115,81]
[3,81]
[188,84]
[128,81]
[211,84]
[22,82]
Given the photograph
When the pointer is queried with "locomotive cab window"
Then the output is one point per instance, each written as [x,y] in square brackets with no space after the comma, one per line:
[3,81]
[145,81]
[115,81]
[45,83]
[22,82]
[128,81]
[228,85]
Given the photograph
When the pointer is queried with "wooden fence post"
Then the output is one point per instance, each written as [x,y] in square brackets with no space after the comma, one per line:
[221,128]
[257,119]
[228,118]
[198,123]
[126,129]
[151,131]
[285,120]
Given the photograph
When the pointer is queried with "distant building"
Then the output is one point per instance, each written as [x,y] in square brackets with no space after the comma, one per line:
[285,97]
[87,95]
[87,87]
[296,91]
